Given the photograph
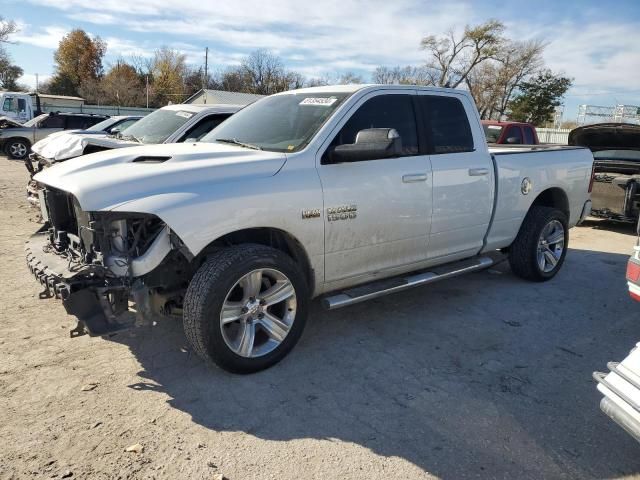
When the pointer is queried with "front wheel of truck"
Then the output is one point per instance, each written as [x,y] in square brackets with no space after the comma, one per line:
[538,251]
[246,308]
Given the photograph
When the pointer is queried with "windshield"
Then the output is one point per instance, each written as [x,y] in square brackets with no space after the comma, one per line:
[35,120]
[633,155]
[281,123]
[103,125]
[492,132]
[157,126]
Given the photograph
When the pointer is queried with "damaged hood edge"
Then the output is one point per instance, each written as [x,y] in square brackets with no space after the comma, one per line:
[105,180]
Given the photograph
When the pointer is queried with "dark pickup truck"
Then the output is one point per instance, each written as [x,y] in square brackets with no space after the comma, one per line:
[616,179]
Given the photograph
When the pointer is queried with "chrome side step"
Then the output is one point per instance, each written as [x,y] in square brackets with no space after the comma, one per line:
[398,284]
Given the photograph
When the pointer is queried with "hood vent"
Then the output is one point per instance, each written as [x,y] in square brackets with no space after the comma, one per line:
[149,159]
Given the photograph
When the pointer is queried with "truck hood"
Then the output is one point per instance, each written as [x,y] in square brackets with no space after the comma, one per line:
[105,180]
[61,146]
[606,136]
[6,122]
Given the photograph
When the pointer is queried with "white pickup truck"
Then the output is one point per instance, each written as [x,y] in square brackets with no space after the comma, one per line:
[345,192]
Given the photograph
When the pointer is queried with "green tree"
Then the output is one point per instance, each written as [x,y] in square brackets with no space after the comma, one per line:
[78,59]
[9,73]
[122,86]
[168,70]
[538,98]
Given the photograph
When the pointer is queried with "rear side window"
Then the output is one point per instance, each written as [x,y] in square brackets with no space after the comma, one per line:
[53,121]
[91,121]
[383,111]
[528,136]
[447,124]
[204,126]
[74,123]
[514,135]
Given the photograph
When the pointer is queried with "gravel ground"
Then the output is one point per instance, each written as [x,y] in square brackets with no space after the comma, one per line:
[484,376]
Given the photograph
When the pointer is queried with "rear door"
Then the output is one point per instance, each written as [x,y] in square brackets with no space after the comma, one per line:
[376,211]
[463,178]
[51,124]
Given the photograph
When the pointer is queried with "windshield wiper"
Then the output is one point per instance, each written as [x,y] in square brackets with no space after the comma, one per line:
[235,141]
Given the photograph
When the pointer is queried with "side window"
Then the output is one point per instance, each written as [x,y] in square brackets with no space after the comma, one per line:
[123,125]
[52,121]
[75,123]
[204,126]
[8,105]
[447,124]
[22,105]
[383,111]
[514,132]
[529,139]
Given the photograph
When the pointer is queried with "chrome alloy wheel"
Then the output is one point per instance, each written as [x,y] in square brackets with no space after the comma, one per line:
[550,246]
[18,150]
[258,312]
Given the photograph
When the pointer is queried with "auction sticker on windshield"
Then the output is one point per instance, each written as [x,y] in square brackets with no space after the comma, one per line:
[321,101]
[184,114]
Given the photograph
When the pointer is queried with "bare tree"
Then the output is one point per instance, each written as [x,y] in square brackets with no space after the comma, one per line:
[407,75]
[349,78]
[264,72]
[494,83]
[7,28]
[451,59]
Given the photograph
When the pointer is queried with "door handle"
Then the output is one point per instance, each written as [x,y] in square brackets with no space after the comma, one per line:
[476,172]
[414,177]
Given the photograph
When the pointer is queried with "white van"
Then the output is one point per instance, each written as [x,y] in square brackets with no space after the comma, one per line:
[17,106]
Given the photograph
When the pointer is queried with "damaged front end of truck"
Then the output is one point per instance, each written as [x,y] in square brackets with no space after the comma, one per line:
[616,179]
[104,264]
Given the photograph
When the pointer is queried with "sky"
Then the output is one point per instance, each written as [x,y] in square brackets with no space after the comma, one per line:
[594,42]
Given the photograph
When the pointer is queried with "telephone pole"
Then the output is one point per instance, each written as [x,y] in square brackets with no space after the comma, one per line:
[205,80]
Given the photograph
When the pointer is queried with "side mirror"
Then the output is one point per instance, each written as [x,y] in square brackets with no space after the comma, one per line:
[513,140]
[191,140]
[371,144]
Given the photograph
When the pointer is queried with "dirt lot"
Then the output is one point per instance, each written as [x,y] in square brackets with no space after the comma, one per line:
[485,376]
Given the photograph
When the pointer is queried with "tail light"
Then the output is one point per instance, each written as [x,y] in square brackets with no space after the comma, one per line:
[593,172]
[633,271]
[633,274]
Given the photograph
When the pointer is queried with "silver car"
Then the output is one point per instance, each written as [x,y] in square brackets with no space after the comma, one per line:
[16,138]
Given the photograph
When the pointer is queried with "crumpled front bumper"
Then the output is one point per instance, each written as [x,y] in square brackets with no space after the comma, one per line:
[88,292]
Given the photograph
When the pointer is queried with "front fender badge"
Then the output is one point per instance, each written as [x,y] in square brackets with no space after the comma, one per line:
[527,186]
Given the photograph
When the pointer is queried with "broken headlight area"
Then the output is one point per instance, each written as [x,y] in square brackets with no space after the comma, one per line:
[104,264]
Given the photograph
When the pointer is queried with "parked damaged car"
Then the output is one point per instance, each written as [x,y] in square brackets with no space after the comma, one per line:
[616,179]
[17,138]
[170,124]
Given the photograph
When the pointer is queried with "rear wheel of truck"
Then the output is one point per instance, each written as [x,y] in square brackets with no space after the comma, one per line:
[538,251]
[246,308]
[17,149]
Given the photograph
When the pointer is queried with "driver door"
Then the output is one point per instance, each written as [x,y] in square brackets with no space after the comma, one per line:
[377,211]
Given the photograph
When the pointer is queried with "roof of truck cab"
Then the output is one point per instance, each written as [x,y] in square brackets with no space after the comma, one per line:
[197,108]
[369,86]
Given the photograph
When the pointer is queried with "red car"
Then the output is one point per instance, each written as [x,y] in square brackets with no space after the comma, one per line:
[511,133]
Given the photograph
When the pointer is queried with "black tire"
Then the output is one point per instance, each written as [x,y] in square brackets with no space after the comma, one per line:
[15,145]
[208,290]
[523,252]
